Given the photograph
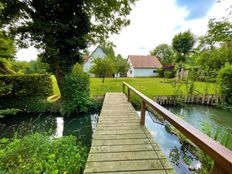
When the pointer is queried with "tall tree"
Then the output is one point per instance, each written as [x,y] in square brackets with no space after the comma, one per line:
[164,53]
[182,43]
[63,28]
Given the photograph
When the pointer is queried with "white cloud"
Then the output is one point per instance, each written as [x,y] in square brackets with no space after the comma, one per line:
[152,22]
[156,22]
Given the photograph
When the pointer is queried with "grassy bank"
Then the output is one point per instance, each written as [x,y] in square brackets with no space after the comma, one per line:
[149,86]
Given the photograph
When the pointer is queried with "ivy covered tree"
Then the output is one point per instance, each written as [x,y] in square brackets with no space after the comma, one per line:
[63,28]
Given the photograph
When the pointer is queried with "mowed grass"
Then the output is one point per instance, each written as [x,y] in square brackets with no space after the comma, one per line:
[148,86]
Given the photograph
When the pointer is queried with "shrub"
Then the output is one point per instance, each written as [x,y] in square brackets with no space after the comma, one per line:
[168,74]
[38,153]
[160,71]
[225,81]
[25,92]
[75,91]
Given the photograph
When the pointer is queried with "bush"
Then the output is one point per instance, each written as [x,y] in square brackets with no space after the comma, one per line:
[169,74]
[75,91]
[225,81]
[160,71]
[25,92]
[39,153]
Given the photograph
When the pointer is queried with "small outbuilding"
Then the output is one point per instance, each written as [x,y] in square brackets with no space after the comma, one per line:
[143,66]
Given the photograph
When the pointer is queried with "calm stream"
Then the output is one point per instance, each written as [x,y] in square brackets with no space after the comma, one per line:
[84,126]
[199,117]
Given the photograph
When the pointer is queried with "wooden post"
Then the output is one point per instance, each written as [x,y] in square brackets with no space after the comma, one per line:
[217,169]
[143,109]
[128,94]
[123,88]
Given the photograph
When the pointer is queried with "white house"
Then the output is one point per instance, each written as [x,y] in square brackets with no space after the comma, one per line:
[88,61]
[143,66]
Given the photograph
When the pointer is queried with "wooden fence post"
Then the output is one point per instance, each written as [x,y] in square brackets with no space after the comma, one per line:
[143,109]
[128,94]
[123,88]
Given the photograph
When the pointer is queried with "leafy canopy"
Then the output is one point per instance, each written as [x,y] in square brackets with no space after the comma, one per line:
[62,29]
[183,42]
[164,53]
[102,67]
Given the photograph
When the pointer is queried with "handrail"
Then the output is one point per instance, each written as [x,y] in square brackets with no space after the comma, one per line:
[221,155]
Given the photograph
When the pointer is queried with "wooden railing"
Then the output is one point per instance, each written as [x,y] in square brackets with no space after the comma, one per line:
[222,156]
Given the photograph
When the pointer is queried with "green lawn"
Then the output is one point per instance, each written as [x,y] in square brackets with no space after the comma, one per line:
[149,86]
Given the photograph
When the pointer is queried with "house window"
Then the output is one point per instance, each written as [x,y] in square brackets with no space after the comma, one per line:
[130,71]
[154,71]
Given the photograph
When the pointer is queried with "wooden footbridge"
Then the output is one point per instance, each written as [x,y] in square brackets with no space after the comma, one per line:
[123,145]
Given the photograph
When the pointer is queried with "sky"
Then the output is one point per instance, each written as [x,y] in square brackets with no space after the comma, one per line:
[154,22]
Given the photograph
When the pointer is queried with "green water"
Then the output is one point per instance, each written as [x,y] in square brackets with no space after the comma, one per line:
[200,116]
[21,124]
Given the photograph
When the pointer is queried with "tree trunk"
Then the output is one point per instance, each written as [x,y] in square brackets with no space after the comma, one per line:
[181,73]
[103,79]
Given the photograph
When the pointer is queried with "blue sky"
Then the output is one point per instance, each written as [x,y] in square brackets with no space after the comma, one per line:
[196,8]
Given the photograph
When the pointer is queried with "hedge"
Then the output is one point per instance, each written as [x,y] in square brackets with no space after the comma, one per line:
[25,92]
[25,85]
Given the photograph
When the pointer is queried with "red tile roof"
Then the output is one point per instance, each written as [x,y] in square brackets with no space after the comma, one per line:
[138,61]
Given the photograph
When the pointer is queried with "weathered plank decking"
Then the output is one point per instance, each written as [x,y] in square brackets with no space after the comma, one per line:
[121,145]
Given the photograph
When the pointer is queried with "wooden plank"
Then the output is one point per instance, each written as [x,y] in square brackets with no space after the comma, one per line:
[122,156]
[122,148]
[120,136]
[132,165]
[121,145]
[120,142]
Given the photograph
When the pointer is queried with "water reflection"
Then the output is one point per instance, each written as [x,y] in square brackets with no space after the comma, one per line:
[178,154]
[59,127]
[82,126]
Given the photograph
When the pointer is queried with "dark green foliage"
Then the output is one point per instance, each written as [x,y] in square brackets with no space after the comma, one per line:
[183,42]
[11,111]
[160,71]
[25,86]
[58,27]
[169,74]
[225,81]
[25,92]
[63,29]
[75,91]
[39,153]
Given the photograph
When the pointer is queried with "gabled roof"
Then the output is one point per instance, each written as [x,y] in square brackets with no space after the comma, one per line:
[139,61]
[86,57]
